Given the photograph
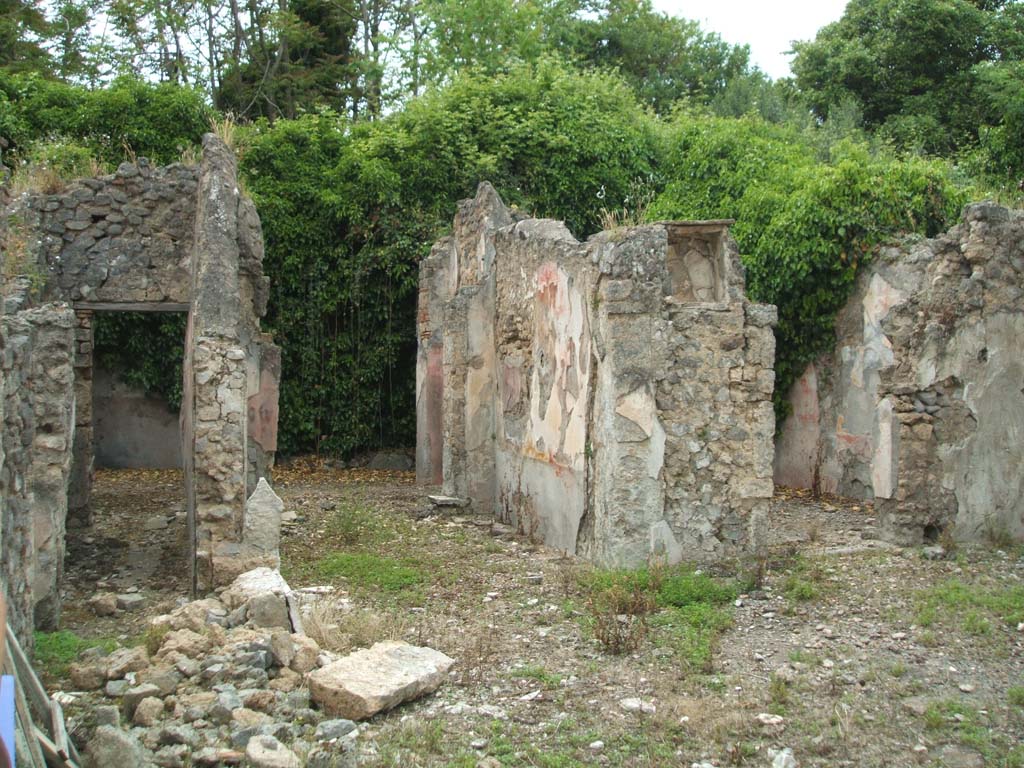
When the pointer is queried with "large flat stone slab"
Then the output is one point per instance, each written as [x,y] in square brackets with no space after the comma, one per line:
[376,679]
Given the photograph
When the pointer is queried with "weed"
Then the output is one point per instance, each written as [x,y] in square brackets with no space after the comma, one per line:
[684,588]
[364,570]
[778,691]
[799,589]
[56,650]
[353,525]
[814,531]
[224,129]
[17,246]
[536,672]
[998,536]
[976,624]
[800,656]
[898,670]
[928,639]
[619,618]
[1015,695]
[154,637]
[340,630]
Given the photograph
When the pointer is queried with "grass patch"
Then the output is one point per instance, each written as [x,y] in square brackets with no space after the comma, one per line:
[799,589]
[1015,695]
[692,631]
[537,672]
[978,605]
[56,650]
[367,571]
[970,729]
[686,607]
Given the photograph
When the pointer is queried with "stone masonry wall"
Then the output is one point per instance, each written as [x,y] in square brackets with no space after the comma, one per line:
[38,428]
[921,407]
[576,378]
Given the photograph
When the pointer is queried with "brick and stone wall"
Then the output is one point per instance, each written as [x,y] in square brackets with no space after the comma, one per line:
[611,398]
[921,405]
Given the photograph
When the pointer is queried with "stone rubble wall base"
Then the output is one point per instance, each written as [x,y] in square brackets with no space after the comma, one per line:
[37,437]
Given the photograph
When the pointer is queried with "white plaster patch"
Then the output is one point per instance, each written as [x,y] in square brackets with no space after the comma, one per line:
[638,406]
[664,547]
[883,464]
[656,456]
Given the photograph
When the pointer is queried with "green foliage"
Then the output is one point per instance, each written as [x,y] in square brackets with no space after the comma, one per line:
[804,227]
[363,570]
[687,610]
[349,210]
[683,588]
[976,604]
[930,75]
[664,58]
[692,631]
[146,349]
[131,117]
[56,650]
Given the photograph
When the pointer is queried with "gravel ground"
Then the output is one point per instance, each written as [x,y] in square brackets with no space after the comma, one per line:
[847,651]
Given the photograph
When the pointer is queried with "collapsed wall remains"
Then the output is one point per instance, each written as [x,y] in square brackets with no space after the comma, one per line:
[611,398]
[921,406]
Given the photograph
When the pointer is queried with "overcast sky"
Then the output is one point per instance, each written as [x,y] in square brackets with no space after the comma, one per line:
[767,26]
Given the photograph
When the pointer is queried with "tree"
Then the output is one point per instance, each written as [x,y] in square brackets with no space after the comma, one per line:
[910,64]
[23,31]
[664,58]
[292,58]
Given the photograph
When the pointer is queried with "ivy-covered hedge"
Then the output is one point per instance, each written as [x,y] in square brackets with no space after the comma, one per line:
[804,227]
[349,210]
[155,120]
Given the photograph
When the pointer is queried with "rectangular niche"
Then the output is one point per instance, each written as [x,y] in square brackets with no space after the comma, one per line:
[695,261]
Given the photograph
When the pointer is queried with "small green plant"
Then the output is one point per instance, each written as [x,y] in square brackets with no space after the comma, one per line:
[778,691]
[154,637]
[536,672]
[898,670]
[56,650]
[1015,695]
[364,570]
[16,245]
[353,524]
[976,624]
[799,589]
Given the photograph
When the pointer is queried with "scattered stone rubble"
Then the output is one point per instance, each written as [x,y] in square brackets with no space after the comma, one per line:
[231,679]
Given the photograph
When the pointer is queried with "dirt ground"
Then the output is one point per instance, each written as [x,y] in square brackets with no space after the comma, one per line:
[845,650]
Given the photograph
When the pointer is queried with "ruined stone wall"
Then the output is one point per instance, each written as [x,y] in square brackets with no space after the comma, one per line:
[37,435]
[576,377]
[170,239]
[921,406]
[126,237]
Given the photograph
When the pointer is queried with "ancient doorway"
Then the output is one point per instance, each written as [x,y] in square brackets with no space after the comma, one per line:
[127,498]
